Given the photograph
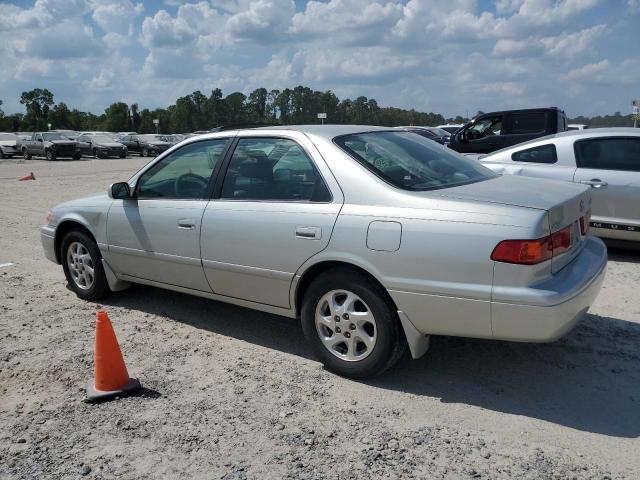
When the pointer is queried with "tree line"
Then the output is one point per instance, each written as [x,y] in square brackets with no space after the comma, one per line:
[197,111]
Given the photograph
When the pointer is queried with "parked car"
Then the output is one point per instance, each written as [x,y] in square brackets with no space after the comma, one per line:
[607,159]
[374,237]
[101,146]
[492,131]
[152,144]
[433,133]
[52,145]
[577,126]
[9,145]
[451,127]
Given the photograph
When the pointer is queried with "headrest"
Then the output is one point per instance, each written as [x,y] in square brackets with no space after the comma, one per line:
[253,169]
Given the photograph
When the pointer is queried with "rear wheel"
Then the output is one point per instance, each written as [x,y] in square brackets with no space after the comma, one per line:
[144,153]
[351,324]
[77,156]
[82,265]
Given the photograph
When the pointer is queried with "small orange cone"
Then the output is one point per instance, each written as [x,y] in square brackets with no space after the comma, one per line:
[111,378]
[31,176]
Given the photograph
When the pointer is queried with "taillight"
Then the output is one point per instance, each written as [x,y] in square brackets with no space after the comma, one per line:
[584,223]
[561,241]
[531,252]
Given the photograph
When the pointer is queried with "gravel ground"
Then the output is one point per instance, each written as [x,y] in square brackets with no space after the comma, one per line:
[232,393]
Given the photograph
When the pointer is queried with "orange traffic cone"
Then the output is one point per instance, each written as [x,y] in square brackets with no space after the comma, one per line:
[31,176]
[111,376]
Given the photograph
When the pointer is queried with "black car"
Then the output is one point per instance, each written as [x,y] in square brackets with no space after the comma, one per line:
[432,133]
[492,131]
[100,146]
[145,145]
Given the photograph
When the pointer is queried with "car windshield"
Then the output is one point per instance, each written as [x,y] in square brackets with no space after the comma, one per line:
[8,136]
[152,138]
[101,139]
[54,136]
[440,132]
[412,162]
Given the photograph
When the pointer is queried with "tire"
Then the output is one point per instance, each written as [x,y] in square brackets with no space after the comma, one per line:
[389,342]
[98,286]
[26,155]
[144,152]
[50,155]
[2,155]
[77,156]
[123,155]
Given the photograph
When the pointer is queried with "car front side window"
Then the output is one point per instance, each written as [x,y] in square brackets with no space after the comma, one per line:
[275,169]
[486,127]
[184,174]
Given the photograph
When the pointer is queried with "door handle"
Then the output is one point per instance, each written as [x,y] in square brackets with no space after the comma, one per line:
[187,224]
[595,183]
[310,233]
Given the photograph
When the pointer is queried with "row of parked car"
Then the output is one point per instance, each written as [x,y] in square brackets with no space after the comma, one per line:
[54,144]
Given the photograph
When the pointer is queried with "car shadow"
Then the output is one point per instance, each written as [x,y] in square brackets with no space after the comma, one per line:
[587,381]
[626,252]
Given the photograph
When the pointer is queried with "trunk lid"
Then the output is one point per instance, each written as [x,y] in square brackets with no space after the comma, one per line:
[565,203]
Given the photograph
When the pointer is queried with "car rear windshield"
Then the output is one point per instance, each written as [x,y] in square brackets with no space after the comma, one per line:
[412,162]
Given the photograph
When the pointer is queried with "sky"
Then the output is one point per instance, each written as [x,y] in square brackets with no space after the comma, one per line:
[453,57]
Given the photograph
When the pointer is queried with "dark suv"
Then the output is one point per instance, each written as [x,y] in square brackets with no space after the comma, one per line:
[492,131]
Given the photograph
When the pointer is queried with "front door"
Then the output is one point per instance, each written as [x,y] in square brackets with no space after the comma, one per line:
[274,212]
[483,136]
[156,234]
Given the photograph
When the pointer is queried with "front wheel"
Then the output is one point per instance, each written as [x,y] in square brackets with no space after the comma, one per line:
[144,153]
[26,155]
[77,156]
[82,265]
[351,324]
[50,155]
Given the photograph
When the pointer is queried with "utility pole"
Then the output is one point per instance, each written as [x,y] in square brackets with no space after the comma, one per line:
[635,108]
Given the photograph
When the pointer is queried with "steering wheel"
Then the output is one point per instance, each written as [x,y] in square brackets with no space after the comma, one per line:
[190,185]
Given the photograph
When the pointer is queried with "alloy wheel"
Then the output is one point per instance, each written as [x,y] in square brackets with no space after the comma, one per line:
[80,266]
[345,325]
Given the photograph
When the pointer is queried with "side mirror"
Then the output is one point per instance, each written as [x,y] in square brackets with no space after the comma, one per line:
[119,191]
[40,140]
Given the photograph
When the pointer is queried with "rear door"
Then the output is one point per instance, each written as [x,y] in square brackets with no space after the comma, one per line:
[612,166]
[275,207]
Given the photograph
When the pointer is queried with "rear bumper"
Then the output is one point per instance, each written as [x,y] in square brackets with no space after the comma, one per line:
[552,308]
[47,237]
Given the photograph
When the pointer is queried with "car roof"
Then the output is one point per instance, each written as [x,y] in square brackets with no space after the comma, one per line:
[324,131]
[588,133]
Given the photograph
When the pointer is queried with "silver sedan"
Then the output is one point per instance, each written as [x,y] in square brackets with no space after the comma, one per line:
[607,159]
[374,238]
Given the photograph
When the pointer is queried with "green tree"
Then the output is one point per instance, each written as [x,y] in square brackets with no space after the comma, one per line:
[37,103]
[60,116]
[257,105]
[116,117]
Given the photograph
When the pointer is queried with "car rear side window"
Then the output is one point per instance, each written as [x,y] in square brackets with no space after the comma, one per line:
[542,154]
[412,162]
[613,153]
[273,169]
[529,122]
